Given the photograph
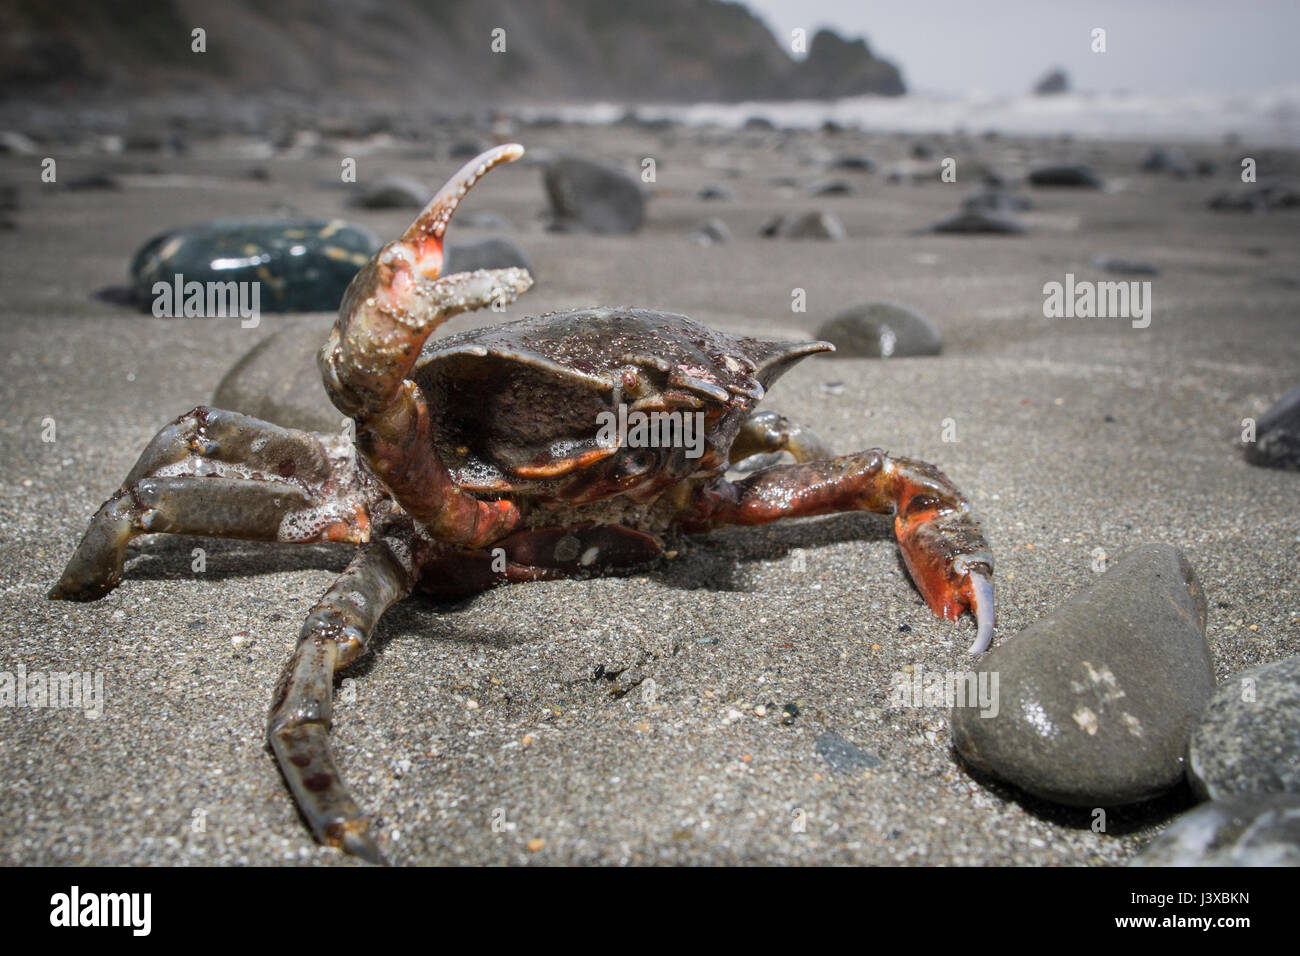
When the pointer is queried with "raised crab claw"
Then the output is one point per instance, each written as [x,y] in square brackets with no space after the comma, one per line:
[504,454]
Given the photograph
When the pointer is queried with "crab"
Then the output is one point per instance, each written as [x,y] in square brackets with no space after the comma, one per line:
[488,457]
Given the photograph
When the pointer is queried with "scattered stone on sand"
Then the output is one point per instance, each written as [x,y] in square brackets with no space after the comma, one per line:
[1096,700]
[493,252]
[278,379]
[880,330]
[997,200]
[393,192]
[1248,738]
[1266,195]
[854,163]
[1167,161]
[1254,830]
[1070,175]
[809,225]
[913,171]
[593,197]
[14,143]
[92,181]
[482,219]
[302,265]
[1277,435]
[711,232]
[975,220]
[1125,267]
[830,187]
[716,192]
[843,756]
[1206,167]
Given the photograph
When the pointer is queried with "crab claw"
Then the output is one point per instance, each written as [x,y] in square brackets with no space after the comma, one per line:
[948,558]
[425,235]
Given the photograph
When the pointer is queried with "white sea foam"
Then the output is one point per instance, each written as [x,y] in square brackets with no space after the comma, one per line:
[1269,117]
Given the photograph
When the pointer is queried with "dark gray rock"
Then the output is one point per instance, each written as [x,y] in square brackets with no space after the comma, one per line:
[1241,831]
[393,192]
[854,164]
[1277,435]
[843,756]
[1166,161]
[717,193]
[711,232]
[301,265]
[974,220]
[1248,739]
[1266,195]
[278,379]
[1069,175]
[830,187]
[997,200]
[1096,700]
[810,225]
[1125,267]
[880,330]
[491,253]
[593,197]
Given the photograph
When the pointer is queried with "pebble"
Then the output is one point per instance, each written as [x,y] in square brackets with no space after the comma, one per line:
[717,193]
[1252,830]
[974,220]
[843,756]
[493,252]
[1277,435]
[302,265]
[880,330]
[593,197]
[1075,175]
[809,225]
[1096,701]
[711,232]
[393,192]
[1125,267]
[278,380]
[1248,738]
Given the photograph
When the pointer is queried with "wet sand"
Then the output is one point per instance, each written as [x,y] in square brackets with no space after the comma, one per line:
[1073,435]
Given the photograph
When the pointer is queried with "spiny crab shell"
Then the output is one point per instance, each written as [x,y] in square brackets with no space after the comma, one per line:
[521,400]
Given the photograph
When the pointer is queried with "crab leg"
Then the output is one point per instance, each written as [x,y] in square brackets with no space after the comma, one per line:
[767,431]
[941,541]
[390,309]
[335,633]
[280,487]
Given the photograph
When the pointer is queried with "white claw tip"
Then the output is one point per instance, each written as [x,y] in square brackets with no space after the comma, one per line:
[982,588]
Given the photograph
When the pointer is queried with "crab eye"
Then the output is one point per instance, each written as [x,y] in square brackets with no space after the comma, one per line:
[636,461]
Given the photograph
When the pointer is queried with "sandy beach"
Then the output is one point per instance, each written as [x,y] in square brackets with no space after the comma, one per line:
[477,733]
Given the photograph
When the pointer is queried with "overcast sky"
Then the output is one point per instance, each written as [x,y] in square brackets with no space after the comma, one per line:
[1005,46]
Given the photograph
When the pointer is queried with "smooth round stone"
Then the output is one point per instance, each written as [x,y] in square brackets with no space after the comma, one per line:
[279,381]
[975,220]
[491,253]
[302,265]
[593,197]
[1248,739]
[715,192]
[997,199]
[1095,701]
[394,192]
[810,225]
[1124,267]
[1166,161]
[1277,435]
[1255,830]
[1069,175]
[830,187]
[880,330]
[711,232]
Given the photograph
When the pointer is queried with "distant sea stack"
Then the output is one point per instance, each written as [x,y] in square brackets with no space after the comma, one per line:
[1054,82]
[442,53]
